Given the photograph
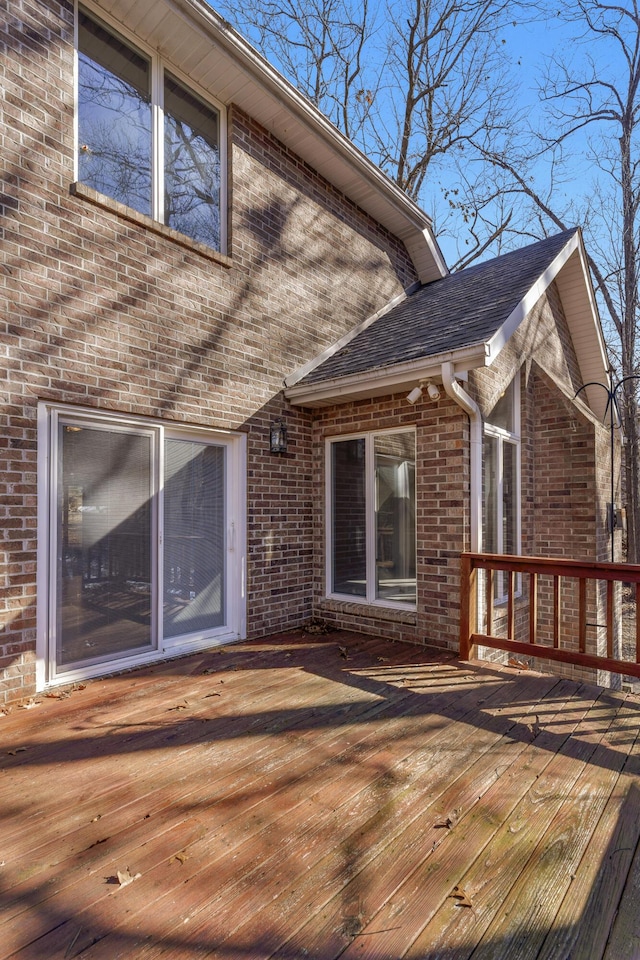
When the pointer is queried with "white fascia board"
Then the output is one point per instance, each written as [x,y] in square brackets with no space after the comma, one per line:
[382,382]
[584,323]
[528,302]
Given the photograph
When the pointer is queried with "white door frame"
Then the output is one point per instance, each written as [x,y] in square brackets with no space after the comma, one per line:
[235,444]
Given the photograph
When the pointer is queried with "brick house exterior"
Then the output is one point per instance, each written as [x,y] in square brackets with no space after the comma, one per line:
[122,333]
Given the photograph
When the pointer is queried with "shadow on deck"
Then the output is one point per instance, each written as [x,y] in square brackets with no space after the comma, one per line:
[329,797]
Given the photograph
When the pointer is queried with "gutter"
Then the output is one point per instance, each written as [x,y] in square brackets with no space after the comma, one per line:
[461,397]
[382,380]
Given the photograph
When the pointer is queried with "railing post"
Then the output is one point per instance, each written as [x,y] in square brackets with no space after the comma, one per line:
[533,607]
[582,614]
[468,605]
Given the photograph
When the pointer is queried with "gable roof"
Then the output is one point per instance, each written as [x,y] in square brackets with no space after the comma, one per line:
[465,318]
[206,48]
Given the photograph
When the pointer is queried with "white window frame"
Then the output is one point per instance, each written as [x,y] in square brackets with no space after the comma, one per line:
[158,68]
[370,519]
[49,414]
[503,437]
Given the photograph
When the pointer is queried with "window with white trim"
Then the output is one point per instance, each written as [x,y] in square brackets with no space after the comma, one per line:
[501,479]
[145,138]
[371,510]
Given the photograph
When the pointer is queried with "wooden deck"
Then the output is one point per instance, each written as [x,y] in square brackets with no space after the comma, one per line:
[329,796]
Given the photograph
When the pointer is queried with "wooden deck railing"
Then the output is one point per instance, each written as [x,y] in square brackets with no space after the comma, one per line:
[574,593]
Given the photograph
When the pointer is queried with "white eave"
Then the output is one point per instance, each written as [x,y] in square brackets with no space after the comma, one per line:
[197,41]
[386,380]
[571,273]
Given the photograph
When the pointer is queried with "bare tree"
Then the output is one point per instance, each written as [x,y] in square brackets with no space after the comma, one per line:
[320,46]
[415,86]
[585,168]
[448,84]
[428,89]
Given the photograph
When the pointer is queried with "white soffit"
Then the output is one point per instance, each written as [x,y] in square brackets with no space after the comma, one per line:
[570,271]
[197,41]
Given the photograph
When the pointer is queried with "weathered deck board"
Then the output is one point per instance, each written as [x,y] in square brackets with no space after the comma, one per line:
[321,806]
[509,884]
[423,906]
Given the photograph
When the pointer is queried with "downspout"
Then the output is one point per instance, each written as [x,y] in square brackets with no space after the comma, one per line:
[455,391]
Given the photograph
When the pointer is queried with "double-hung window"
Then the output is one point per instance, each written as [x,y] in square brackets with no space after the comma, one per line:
[501,479]
[145,139]
[371,509]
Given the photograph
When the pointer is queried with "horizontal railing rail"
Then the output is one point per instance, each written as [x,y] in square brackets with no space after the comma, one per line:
[566,636]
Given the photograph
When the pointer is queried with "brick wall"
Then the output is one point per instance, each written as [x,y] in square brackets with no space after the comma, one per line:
[103,311]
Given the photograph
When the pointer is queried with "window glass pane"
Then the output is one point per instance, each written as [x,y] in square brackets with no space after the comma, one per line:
[104,517]
[509,503]
[192,165]
[395,517]
[194,537]
[490,494]
[349,560]
[502,414]
[114,116]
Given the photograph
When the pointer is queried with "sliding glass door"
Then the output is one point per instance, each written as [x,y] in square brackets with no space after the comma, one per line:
[142,528]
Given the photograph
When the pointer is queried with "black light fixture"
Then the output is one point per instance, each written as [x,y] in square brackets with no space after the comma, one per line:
[278,437]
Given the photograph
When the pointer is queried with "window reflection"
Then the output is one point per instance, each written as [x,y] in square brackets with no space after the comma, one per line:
[373,522]
[114,117]
[192,165]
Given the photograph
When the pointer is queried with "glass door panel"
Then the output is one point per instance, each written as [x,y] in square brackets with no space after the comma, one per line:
[349,544]
[395,473]
[104,581]
[194,537]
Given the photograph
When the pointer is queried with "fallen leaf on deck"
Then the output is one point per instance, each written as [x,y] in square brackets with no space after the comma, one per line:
[12,753]
[534,728]
[97,843]
[449,821]
[352,926]
[180,857]
[461,898]
[518,664]
[125,877]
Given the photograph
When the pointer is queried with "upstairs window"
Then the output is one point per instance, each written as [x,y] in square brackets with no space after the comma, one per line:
[144,138]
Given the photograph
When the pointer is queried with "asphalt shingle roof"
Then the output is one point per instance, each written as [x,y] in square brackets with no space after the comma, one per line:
[460,310]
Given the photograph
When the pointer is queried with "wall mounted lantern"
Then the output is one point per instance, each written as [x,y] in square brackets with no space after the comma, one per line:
[278,437]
